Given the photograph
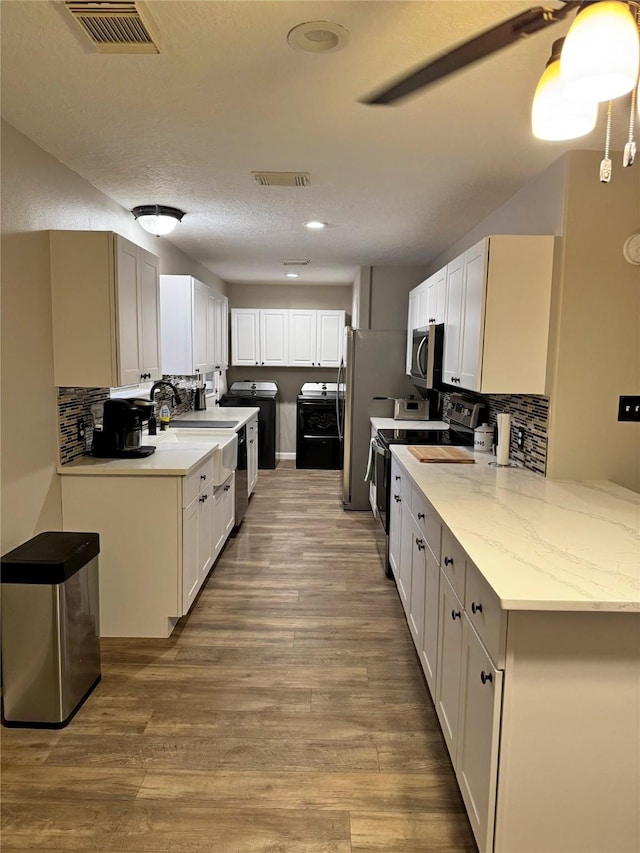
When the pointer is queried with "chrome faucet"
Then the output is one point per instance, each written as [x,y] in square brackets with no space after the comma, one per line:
[156,385]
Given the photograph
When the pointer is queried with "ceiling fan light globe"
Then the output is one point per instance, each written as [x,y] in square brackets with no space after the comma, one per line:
[553,117]
[601,53]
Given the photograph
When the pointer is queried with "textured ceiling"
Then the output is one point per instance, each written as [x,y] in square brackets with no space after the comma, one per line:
[227,95]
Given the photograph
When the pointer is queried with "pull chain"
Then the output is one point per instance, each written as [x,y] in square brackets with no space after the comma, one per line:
[605,165]
[629,154]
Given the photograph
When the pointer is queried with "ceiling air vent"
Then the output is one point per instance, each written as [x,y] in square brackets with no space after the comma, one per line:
[281,179]
[288,263]
[113,27]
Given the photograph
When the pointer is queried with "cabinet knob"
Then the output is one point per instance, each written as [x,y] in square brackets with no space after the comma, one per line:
[476,608]
[397,476]
[455,614]
[227,487]
[420,544]
[448,561]
[203,476]
[420,516]
[485,676]
[397,498]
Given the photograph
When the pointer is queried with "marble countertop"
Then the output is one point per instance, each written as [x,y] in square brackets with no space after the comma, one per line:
[391,423]
[540,544]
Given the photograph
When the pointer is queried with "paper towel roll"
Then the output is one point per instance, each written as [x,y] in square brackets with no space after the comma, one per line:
[504,434]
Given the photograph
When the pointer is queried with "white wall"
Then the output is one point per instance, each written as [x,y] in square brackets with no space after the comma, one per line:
[40,194]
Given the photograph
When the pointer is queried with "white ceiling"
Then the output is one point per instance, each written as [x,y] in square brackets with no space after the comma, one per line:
[227,95]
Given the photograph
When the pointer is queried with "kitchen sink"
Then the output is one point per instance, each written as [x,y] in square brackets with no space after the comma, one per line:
[225,458]
[207,425]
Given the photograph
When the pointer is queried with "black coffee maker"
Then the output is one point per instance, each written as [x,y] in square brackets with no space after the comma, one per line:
[121,434]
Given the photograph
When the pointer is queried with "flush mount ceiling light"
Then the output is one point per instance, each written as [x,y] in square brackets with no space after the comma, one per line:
[315,225]
[292,275]
[318,37]
[157,219]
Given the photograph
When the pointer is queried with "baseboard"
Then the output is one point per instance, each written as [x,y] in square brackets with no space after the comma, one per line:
[285,455]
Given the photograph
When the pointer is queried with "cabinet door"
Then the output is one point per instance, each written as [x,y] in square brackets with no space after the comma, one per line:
[412,323]
[475,272]
[252,455]
[200,308]
[330,334]
[453,322]
[217,522]
[395,528]
[448,667]
[302,338]
[228,507]
[150,352]
[422,310]
[128,312]
[190,574]
[403,577]
[205,526]
[477,760]
[221,357]
[418,584]
[213,345]
[274,337]
[245,336]
[440,296]
[428,650]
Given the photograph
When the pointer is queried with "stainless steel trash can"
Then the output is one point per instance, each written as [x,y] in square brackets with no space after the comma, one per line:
[50,628]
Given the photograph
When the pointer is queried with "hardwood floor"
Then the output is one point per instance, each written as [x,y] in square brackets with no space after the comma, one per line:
[286,714]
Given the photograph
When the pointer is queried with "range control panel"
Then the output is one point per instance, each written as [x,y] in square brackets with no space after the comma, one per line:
[464,411]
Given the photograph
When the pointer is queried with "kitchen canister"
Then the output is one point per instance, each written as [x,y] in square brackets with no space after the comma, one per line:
[483,438]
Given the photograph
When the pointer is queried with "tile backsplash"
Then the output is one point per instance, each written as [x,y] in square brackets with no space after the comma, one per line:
[527,411]
[74,405]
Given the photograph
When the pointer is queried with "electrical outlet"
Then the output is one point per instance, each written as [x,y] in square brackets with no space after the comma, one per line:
[629,408]
[520,438]
[81,429]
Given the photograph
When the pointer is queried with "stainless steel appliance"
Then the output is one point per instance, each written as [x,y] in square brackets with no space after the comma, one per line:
[318,437]
[263,396]
[374,366]
[463,415]
[426,355]
[241,481]
[121,433]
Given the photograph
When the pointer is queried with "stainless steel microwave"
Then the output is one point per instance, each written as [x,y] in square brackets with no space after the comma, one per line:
[426,355]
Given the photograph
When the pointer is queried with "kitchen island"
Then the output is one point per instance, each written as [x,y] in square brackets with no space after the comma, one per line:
[523,599]
[162,520]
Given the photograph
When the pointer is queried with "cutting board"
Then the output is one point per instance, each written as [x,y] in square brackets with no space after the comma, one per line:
[439,454]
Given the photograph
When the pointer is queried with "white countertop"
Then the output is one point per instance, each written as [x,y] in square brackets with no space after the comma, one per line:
[541,544]
[392,423]
[170,459]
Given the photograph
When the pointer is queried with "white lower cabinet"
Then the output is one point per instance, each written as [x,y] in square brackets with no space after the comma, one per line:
[159,536]
[415,613]
[252,455]
[447,698]
[428,647]
[478,735]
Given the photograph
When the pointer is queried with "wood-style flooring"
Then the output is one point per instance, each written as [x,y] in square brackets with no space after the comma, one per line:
[287,713]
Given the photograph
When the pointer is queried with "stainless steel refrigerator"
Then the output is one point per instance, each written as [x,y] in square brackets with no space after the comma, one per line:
[375,366]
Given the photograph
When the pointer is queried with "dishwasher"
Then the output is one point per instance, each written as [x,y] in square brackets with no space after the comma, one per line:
[242,481]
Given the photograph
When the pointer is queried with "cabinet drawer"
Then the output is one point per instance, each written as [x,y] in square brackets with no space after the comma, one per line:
[400,483]
[428,521]
[483,609]
[453,562]
[196,481]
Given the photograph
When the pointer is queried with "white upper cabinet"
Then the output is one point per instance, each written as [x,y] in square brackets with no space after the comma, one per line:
[498,312]
[436,306]
[274,337]
[106,310]
[287,337]
[302,338]
[193,335]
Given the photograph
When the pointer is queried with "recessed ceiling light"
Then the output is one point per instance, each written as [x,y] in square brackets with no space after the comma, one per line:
[318,37]
[292,275]
[315,224]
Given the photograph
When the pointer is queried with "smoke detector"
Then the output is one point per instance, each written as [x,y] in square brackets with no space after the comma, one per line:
[114,26]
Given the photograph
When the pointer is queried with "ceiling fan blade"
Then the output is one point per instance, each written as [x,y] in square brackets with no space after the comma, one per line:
[490,41]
